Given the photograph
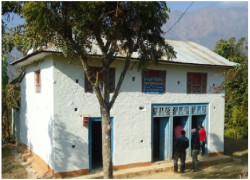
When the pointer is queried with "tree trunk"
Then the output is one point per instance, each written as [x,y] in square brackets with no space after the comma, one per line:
[106,143]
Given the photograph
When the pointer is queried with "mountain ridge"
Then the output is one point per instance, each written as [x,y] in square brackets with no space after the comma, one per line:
[208,25]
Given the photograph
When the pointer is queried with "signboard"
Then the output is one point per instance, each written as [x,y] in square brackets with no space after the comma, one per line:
[153,85]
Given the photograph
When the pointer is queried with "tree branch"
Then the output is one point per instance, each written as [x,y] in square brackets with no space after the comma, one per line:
[122,76]
[91,80]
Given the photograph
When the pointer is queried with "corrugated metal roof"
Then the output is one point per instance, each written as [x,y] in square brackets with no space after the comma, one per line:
[186,53]
[190,52]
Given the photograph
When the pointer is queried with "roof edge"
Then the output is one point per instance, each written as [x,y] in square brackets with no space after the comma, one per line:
[162,61]
[32,54]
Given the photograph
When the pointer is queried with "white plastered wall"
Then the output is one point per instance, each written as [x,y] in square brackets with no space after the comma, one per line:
[132,126]
[71,137]
[37,111]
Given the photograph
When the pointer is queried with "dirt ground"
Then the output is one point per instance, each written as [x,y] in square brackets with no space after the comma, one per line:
[13,167]
[236,169]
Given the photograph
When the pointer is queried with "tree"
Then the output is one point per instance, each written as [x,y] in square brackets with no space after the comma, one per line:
[231,50]
[114,26]
[236,87]
[10,92]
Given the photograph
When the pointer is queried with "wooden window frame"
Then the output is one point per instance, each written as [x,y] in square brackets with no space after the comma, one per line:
[38,81]
[154,73]
[89,88]
[193,84]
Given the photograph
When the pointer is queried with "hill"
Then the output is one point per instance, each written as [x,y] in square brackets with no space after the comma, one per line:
[207,25]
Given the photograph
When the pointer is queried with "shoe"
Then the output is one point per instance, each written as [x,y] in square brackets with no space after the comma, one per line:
[195,170]
[182,171]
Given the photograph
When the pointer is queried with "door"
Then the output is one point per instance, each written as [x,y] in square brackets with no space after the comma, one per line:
[183,121]
[201,121]
[164,138]
[95,143]
[160,138]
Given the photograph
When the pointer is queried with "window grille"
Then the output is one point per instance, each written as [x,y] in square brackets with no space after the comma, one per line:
[204,109]
[88,87]
[168,110]
[187,110]
[196,83]
[193,108]
[175,110]
[179,110]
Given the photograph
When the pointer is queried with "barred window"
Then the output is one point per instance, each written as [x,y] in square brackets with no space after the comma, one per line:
[88,87]
[196,83]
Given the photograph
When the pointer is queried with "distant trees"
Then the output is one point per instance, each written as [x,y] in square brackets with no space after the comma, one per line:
[236,87]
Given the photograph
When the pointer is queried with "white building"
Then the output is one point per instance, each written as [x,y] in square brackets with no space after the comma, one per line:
[54,96]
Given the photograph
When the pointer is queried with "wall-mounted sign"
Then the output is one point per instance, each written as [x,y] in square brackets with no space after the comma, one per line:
[154,85]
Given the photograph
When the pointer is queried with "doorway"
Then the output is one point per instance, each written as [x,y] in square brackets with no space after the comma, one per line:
[95,143]
[179,123]
[96,129]
[161,139]
[199,120]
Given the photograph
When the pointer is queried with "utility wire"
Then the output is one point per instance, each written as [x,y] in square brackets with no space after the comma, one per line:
[179,18]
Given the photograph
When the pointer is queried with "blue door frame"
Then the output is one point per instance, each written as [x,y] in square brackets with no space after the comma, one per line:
[98,119]
[164,137]
[185,110]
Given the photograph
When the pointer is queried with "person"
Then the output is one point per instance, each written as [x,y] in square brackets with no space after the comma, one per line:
[181,144]
[202,133]
[177,131]
[195,147]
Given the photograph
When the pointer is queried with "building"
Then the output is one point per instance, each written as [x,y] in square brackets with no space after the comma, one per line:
[55,98]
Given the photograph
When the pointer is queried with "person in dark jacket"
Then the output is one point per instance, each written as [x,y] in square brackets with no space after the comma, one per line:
[181,144]
[195,147]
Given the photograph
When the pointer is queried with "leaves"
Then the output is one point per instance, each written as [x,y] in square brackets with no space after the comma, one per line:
[231,50]
[4,72]
[236,86]
[72,25]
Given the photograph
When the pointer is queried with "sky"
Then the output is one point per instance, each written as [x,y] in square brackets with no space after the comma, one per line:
[177,5]
[182,5]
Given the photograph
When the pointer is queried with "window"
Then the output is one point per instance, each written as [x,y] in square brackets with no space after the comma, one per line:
[38,81]
[196,83]
[88,87]
[153,81]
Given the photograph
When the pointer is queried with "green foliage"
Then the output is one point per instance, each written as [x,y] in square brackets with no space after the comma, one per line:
[237,127]
[9,8]
[4,72]
[236,87]
[11,98]
[72,25]
[231,50]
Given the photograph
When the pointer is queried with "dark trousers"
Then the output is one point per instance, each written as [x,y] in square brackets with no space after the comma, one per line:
[202,143]
[182,156]
[195,153]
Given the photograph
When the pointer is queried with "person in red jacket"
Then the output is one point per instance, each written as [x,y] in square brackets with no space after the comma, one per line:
[202,139]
